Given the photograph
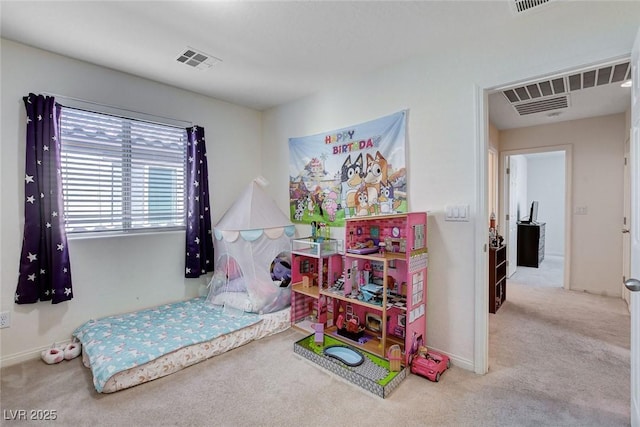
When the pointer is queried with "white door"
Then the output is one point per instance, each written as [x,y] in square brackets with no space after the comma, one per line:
[634,283]
[626,218]
[512,222]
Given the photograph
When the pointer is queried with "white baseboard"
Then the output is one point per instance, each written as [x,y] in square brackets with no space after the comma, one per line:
[14,359]
[560,254]
[457,361]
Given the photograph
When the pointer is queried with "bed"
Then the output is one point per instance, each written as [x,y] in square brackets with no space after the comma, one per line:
[126,350]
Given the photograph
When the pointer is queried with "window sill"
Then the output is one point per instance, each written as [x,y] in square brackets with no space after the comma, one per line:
[112,234]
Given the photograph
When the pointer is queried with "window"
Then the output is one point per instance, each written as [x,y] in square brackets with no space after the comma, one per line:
[121,174]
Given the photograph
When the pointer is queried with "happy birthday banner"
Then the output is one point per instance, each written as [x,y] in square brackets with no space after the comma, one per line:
[351,172]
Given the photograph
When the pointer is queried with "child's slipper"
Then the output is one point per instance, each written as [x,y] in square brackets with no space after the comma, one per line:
[53,355]
[72,350]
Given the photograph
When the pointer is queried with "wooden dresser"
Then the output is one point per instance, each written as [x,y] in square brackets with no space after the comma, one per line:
[530,244]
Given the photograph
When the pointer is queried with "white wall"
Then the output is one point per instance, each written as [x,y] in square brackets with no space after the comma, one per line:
[520,165]
[597,181]
[545,184]
[440,93]
[441,172]
[116,274]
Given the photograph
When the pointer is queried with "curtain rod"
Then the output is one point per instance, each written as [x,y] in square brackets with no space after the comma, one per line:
[154,117]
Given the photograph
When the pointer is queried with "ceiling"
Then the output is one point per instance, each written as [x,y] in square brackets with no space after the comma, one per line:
[587,92]
[261,54]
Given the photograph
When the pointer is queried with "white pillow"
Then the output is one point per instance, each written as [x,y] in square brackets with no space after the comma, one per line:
[237,300]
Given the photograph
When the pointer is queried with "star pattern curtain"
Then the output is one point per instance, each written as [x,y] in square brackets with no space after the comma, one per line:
[199,244]
[45,271]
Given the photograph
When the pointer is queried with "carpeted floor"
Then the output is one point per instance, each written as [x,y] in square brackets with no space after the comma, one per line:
[557,358]
[550,273]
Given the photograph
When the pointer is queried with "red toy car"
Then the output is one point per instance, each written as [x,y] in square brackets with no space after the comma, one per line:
[429,364]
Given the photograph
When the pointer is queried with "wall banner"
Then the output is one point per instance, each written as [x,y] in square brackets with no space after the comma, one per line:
[351,172]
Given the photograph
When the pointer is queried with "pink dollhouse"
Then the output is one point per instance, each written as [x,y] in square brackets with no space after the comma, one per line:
[371,296]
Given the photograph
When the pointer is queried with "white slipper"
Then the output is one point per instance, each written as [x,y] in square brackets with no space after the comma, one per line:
[53,355]
[72,350]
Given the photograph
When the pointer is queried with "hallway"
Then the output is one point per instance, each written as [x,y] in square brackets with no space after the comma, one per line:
[549,274]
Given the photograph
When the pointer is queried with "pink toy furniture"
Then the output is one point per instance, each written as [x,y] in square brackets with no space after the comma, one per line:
[319,334]
[430,364]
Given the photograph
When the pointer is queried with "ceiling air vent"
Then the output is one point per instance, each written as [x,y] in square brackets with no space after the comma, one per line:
[600,76]
[520,6]
[197,59]
[532,91]
[549,104]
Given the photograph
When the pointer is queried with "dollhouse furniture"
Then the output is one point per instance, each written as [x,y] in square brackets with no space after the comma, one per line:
[315,264]
[385,290]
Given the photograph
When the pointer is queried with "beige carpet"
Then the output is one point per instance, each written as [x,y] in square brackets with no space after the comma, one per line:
[549,273]
[557,359]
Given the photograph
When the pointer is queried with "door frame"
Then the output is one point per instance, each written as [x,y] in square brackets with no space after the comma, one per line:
[568,208]
[481,233]
[634,150]
[505,197]
[481,279]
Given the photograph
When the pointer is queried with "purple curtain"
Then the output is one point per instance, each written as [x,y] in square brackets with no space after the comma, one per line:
[199,256]
[45,271]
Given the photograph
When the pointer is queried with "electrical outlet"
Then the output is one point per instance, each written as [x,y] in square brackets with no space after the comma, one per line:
[5,319]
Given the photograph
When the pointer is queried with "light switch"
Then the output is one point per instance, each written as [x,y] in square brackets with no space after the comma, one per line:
[580,210]
[456,213]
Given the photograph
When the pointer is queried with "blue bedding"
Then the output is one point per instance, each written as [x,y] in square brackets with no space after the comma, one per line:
[117,343]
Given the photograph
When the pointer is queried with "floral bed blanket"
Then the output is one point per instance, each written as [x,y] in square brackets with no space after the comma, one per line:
[118,343]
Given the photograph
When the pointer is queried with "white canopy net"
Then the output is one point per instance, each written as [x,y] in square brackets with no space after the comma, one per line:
[252,243]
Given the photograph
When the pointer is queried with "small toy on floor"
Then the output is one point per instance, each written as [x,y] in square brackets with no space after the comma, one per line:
[429,364]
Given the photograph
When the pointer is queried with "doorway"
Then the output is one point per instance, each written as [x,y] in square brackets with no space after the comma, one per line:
[537,176]
[585,200]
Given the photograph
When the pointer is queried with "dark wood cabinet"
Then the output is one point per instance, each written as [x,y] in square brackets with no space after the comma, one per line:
[497,277]
[530,244]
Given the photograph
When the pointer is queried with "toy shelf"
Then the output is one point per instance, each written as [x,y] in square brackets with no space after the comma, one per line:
[317,248]
[368,291]
[373,344]
[397,271]
[387,256]
[310,291]
[315,265]
[396,301]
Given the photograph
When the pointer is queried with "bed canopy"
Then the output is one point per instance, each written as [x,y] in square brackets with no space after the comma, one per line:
[253,254]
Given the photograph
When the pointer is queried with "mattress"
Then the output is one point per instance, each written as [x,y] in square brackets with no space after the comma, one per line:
[126,350]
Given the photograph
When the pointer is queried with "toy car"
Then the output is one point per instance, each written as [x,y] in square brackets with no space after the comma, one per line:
[430,364]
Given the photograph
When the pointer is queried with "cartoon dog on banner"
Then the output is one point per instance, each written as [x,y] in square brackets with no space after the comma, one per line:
[350,181]
[385,198]
[376,173]
[362,202]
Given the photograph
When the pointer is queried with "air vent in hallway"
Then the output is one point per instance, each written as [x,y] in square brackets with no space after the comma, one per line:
[554,93]
[601,76]
[542,105]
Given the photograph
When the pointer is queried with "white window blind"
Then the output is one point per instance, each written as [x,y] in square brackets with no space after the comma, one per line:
[120,174]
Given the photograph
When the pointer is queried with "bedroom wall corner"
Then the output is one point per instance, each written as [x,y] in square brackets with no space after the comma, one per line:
[114,274]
